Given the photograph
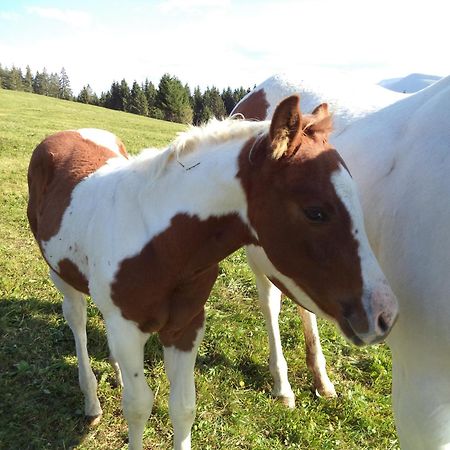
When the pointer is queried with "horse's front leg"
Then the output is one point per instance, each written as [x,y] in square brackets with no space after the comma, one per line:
[270,303]
[126,343]
[179,361]
[269,297]
[315,359]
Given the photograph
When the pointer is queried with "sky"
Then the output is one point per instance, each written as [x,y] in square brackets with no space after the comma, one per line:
[223,42]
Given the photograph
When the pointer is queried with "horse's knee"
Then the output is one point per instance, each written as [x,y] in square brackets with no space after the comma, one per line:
[137,407]
[182,414]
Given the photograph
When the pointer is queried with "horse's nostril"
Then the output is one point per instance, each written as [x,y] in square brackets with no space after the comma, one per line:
[382,323]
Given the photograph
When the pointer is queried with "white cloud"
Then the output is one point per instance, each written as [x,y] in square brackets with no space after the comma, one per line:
[169,6]
[74,18]
[9,16]
[231,42]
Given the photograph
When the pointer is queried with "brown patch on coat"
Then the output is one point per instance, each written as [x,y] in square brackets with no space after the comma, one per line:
[57,165]
[254,106]
[321,258]
[165,286]
[72,275]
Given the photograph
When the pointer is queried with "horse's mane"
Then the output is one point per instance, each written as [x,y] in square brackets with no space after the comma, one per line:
[215,132]
[152,161]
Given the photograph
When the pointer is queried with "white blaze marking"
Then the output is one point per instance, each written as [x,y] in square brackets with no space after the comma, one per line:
[372,275]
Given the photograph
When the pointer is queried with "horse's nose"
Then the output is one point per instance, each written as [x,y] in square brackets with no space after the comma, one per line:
[383,323]
[373,322]
[385,310]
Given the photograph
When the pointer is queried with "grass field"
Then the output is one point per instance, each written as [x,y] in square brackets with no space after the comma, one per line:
[41,405]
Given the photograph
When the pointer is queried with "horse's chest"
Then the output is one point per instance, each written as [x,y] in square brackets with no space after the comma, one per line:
[171,277]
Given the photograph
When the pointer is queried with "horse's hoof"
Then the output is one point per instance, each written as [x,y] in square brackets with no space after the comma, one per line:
[93,421]
[326,391]
[289,402]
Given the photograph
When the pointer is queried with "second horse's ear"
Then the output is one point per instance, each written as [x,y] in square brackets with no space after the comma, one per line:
[286,127]
[323,121]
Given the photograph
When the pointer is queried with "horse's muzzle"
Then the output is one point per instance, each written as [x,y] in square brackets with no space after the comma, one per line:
[371,323]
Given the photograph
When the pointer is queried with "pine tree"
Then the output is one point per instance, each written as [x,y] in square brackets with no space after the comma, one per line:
[13,80]
[41,82]
[138,101]
[173,100]
[104,99]
[53,85]
[214,102]
[114,100]
[88,96]
[125,95]
[65,92]
[28,80]
[240,93]
[197,106]
[37,83]
[228,100]
[202,112]
[4,77]
[151,94]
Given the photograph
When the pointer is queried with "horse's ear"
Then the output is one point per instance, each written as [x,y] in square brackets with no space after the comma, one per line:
[321,111]
[286,127]
[323,121]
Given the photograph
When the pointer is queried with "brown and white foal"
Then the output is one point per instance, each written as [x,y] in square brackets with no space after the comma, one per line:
[144,236]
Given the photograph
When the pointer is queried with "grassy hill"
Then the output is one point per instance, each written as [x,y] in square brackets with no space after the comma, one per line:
[41,405]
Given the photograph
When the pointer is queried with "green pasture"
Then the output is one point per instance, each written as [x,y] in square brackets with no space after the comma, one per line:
[41,405]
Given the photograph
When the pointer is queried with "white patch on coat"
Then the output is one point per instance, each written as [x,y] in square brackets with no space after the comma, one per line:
[101,137]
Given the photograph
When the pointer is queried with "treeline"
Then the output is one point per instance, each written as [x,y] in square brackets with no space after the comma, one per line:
[171,100]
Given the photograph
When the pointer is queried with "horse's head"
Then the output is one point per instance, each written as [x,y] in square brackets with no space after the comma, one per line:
[304,209]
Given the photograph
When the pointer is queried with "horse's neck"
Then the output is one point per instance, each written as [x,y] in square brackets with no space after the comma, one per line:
[144,197]
[383,135]
[200,183]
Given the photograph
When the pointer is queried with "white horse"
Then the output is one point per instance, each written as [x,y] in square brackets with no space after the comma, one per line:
[399,156]
[144,236]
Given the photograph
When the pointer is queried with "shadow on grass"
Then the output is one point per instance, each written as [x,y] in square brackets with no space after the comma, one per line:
[41,403]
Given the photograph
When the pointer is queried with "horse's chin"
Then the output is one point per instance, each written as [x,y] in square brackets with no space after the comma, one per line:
[348,332]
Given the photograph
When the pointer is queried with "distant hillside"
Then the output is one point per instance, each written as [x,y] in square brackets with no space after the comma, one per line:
[25,119]
[411,83]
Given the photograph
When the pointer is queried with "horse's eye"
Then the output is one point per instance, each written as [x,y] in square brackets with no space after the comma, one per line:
[315,214]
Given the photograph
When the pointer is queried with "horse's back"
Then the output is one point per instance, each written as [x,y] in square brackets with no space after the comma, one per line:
[347,98]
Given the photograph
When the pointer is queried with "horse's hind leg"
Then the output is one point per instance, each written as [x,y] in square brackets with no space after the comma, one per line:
[117,372]
[314,355]
[74,310]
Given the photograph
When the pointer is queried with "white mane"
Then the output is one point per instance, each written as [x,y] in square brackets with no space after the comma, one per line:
[214,133]
[152,162]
